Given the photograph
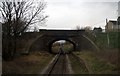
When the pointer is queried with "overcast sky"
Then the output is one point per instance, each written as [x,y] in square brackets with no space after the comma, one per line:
[70,13]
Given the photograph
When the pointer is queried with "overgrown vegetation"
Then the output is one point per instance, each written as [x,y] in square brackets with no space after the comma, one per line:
[77,67]
[106,59]
[102,40]
[27,64]
[96,65]
[67,47]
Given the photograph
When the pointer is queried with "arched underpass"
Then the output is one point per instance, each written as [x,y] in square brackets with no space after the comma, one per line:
[76,37]
[67,46]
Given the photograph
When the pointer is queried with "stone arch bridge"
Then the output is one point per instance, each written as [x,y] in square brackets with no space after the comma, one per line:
[44,39]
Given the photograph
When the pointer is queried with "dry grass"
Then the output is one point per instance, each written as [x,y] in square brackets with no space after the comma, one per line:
[27,64]
[100,63]
[110,56]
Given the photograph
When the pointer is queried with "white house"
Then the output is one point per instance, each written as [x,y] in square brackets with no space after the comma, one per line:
[112,25]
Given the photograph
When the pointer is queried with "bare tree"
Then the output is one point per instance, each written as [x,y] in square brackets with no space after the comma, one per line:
[16,18]
[88,29]
[78,27]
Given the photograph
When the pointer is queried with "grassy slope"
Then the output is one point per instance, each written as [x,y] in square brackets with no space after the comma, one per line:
[102,40]
[96,65]
[28,64]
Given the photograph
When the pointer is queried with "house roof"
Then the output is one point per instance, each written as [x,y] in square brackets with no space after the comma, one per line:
[99,28]
[114,22]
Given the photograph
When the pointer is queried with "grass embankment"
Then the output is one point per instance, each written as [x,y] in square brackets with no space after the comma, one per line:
[95,64]
[27,64]
[107,40]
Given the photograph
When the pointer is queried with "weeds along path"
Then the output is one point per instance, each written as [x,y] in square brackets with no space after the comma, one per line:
[78,65]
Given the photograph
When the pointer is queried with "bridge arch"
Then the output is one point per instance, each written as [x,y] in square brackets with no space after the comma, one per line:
[46,38]
[66,39]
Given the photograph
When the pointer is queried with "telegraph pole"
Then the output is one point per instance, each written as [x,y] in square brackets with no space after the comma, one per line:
[108,40]
[118,23]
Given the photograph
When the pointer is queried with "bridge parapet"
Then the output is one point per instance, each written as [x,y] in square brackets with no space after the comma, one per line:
[62,32]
